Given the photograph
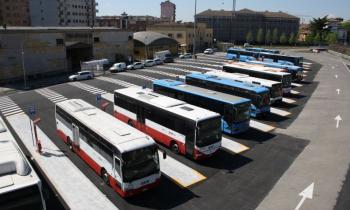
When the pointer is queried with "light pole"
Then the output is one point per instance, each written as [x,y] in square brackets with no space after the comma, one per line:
[23,65]
[194,29]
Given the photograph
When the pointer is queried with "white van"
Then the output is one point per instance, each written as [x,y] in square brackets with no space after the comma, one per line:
[118,67]
[95,65]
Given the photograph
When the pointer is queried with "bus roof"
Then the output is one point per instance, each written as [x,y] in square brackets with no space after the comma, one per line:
[256,67]
[178,85]
[243,78]
[264,53]
[229,82]
[117,133]
[172,105]
[15,171]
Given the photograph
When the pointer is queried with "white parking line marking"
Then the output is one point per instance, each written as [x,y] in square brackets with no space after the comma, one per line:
[280,112]
[200,69]
[307,63]
[294,92]
[233,146]
[297,85]
[88,88]
[115,81]
[159,72]
[180,173]
[53,96]
[197,63]
[288,101]
[261,126]
[8,107]
[138,76]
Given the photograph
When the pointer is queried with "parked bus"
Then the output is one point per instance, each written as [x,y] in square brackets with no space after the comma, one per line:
[124,157]
[276,88]
[234,110]
[186,129]
[261,72]
[257,49]
[259,96]
[295,60]
[20,186]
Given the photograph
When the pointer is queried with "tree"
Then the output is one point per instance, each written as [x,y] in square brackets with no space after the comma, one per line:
[319,27]
[249,38]
[331,38]
[260,36]
[317,39]
[346,25]
[275,36]
[283,38]
[309,39]
[291,39]
[268,36]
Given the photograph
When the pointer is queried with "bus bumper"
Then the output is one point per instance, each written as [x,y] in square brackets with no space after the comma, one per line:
[276,99]
[237,128]
[287,90]
[133,192]
[260,112]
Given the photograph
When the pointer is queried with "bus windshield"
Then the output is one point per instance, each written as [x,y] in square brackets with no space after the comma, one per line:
[263,99]
[25,198]
[140,163]
[242,112]
[208,132]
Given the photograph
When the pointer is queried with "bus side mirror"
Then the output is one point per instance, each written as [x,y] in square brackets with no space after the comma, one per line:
[164,155]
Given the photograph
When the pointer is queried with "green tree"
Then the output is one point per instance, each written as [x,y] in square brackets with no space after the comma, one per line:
[317,39]
[283,38]
[268,36]
[275,36]
[331,38]
[260,36]
[249,37]
[346,25]
[319,28]
[309,39]
[291,39]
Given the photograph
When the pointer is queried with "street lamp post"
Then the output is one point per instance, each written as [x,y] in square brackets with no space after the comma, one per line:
[194,29]
[23,65]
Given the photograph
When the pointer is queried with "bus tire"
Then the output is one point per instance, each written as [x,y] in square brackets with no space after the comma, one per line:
[131,123]
[105,176]
[174,147]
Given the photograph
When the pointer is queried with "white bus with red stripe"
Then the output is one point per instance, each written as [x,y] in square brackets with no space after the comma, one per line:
[124,157]
[20,186]
[186,129]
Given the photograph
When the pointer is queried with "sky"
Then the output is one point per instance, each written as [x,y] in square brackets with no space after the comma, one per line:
[305,9]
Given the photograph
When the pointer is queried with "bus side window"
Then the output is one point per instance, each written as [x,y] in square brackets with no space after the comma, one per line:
[117,165]
[228,116]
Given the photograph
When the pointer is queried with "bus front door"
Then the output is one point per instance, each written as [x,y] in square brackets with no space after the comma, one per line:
[76,144]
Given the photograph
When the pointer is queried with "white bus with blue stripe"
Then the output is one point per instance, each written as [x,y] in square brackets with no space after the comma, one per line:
[259,96]
[234,110]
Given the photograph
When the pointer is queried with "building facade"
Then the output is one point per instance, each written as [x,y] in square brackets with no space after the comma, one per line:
[62,12]
[233,27]
[168,11]
[14,13]
[55,50]
[184,34]
[128,22]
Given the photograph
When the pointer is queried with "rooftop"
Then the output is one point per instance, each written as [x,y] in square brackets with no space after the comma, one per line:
[148,37]
[267,14]
[55,29]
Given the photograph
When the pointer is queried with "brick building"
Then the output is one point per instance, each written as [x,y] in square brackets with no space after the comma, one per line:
[231,26]
[14,13]
[168,11]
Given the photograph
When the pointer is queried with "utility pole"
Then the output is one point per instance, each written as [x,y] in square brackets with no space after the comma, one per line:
[194,29]
[233,13]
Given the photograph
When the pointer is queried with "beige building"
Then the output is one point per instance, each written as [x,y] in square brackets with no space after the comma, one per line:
[184,34]
[42,51]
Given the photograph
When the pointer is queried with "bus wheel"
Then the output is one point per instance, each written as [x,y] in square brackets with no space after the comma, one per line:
[130,123]
[175,147]
[105,176]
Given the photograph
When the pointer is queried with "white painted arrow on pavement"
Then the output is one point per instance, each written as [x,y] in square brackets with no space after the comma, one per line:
[338,119]
[307,193]
[338,91]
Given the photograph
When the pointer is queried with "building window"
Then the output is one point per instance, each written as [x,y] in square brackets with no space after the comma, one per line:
[59,41]
[170,35]
[179,35]
[96,39]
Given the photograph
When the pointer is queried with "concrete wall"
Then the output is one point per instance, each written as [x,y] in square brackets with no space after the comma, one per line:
[41,55]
